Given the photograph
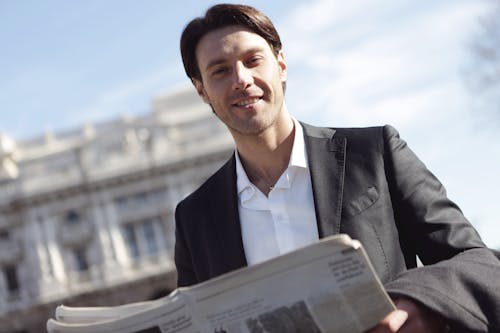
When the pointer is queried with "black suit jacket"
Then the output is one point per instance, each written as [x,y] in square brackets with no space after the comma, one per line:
[369,184]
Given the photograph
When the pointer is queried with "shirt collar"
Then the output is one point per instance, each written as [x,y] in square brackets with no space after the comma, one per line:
[298,158]
[243,184]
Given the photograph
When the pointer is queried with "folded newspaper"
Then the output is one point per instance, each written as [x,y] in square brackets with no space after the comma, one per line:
[329,286]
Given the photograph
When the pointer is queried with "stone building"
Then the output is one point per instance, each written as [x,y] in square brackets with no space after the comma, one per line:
[87,215]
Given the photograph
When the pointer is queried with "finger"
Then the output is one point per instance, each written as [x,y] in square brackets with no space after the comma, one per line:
[396,319]
[391,323]
[420,319]
[406,305]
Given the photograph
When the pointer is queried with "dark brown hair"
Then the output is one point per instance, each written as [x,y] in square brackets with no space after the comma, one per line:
[220,16]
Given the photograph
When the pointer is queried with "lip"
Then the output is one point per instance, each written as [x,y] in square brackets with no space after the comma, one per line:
[247,101]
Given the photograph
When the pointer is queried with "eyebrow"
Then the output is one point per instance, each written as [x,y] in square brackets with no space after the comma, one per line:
[219,61]
[214,62]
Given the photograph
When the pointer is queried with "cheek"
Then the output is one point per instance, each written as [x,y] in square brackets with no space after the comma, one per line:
[216,92]
[273,76]
[211,94]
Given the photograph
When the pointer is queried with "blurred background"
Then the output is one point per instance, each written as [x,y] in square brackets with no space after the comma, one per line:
[89,68]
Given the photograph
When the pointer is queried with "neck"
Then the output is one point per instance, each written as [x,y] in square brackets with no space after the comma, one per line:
[266,156]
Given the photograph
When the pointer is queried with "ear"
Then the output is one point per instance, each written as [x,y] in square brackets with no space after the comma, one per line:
[282,66]
[200,89]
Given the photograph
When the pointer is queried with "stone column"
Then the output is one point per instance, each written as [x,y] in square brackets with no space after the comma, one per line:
[49,228]
[114,233]
[174,196]
[100,253]
[39,270]
[98,212]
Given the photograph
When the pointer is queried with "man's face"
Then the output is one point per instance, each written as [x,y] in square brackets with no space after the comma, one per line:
[241,79]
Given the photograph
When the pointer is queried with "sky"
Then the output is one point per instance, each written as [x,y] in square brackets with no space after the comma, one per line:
[350,63]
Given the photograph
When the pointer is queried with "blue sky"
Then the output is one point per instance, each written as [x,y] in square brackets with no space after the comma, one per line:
[351,63]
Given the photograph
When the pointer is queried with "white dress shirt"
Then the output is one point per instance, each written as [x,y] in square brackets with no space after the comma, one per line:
[284,220]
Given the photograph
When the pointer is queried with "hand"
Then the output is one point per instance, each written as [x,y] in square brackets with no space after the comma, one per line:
[410,317]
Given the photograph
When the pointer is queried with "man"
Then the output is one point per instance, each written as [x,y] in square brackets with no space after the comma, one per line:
[289,184]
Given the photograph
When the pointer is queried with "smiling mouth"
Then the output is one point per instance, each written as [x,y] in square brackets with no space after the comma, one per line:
[248,101]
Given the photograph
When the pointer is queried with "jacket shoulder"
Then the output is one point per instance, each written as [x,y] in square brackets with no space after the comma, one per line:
[349,132]
[209,189]
[366,132]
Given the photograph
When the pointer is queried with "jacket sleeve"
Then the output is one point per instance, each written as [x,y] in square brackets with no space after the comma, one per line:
[460,279]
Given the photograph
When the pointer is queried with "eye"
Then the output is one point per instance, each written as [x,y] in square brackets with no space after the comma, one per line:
[253,61]
[220,71]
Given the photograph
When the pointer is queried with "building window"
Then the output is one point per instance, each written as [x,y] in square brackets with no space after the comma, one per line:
[72,217]
[4,235]
[131,240]
[81,262]
[141,198]
[144,238]
[11,279]
[150,237]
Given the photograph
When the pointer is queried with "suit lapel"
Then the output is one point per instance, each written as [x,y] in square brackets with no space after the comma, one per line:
[326,157]
[226,240]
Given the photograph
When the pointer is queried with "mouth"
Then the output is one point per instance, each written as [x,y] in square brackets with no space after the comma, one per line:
[247,102]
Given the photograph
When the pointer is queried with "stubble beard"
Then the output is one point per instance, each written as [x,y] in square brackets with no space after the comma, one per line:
[251,127]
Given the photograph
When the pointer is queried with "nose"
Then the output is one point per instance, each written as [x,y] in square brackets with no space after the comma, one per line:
[242,77]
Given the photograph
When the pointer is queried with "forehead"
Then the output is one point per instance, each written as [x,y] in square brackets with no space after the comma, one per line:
[228,41]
